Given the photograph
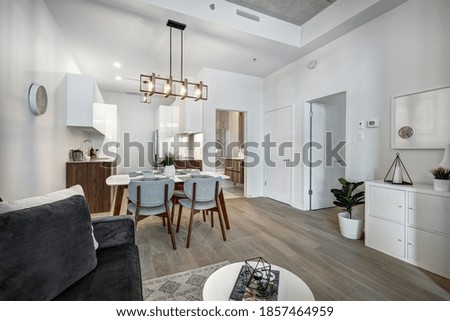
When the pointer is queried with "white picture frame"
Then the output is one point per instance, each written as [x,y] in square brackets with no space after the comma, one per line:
[421,120]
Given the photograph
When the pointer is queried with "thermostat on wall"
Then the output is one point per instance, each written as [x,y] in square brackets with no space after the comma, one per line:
[373,123]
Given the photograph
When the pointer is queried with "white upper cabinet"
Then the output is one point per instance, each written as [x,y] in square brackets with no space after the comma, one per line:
[85,110]
[191,116]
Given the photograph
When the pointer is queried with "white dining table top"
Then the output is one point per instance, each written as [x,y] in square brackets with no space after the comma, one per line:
[124,179]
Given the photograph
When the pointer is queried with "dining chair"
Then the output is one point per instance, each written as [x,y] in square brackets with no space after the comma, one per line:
[202,195]
[150,198]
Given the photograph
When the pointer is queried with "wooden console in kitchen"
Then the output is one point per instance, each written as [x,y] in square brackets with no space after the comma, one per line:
[188,164]
[92,175]
[234,167]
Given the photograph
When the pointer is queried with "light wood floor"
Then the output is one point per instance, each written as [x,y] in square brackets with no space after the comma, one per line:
[307,243]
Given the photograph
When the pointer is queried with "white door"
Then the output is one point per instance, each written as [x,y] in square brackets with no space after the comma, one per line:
[278,176]
[328,118]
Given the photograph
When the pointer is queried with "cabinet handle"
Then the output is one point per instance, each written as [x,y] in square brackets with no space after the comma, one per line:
[410,244]
[399,240]
[400,206]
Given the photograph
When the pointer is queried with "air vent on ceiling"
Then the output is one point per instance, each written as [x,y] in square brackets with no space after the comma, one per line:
[247,15]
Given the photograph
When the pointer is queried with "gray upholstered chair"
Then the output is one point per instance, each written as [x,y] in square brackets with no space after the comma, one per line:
[202,195]
[152,198]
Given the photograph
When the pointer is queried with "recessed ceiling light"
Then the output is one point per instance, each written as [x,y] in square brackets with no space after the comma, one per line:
[118,78]
[117,64]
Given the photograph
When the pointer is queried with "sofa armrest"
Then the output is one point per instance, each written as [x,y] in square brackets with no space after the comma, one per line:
[113,231]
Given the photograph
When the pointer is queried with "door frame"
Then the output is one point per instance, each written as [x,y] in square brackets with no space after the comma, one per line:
[245,137]
[307,139]
[291,169]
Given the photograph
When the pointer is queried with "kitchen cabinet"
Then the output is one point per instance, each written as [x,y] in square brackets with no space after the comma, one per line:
[84,112]
[167,120]
[92,175]
[234,168]
[191,116]
[188,164]
[411,223]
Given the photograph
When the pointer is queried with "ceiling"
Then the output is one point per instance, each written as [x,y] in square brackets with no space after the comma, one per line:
[134,33]
[294,11]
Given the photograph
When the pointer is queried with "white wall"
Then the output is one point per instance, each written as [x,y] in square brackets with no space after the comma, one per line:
[403,51]
[138,120]
[33,150]
[237,92]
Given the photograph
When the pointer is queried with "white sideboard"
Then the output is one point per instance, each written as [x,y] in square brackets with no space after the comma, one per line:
[411,223]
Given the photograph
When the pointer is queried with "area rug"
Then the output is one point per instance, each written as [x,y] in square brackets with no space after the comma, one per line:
[182,286]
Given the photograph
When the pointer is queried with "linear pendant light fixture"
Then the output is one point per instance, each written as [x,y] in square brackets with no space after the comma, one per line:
[152,84]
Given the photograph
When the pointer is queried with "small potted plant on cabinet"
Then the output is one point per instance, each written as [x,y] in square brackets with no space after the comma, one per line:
[441,180]
[347,198]
[169,165]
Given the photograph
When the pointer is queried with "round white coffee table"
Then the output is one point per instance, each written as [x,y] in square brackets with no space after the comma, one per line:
[219,285]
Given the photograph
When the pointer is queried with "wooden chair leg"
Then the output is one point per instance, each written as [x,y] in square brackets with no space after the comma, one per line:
[219,212]
[204,216]
[180,209]
[212,218]
[188,241]
[164,220]
[169,224]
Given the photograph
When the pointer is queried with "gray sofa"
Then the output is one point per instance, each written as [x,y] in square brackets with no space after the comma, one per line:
[51,250]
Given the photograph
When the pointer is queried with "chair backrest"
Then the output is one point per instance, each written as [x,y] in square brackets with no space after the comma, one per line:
[152,192]
[205,188]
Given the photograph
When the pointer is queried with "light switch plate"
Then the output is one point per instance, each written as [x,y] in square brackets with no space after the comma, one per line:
[360,135]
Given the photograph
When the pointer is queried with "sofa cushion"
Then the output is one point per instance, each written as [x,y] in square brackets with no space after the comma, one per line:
[6,207]
[10,206]
[117,277]
[45,249]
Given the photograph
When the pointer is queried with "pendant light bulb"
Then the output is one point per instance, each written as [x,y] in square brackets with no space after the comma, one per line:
[198,90]
[183,90]
[168,87]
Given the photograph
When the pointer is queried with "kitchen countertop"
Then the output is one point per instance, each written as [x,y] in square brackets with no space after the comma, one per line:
[94,160]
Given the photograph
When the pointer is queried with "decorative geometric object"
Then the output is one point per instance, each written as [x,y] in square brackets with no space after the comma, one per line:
[259,274]
[395,173]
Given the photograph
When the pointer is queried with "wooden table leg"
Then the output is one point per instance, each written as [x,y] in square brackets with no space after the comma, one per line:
[119,198]
[224,209]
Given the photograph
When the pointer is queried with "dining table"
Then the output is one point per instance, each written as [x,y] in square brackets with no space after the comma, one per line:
[120,183]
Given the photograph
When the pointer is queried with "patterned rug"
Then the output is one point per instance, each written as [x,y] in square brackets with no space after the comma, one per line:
[182,286]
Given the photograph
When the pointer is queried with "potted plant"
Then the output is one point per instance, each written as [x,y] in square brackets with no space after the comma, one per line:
[347,198]
[169,164]
[441,180]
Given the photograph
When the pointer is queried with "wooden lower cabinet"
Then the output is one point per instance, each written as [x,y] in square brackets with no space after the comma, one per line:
[188,164]
[234,168]
[92,177]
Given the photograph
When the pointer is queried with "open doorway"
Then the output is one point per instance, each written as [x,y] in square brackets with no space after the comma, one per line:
[327,129]
[230,136]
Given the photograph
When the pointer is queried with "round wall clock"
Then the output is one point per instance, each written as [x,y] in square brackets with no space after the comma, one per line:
[37,99]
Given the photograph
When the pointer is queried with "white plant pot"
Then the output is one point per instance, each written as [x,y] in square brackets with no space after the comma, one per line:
[169,170]
[442,185]
[350,228]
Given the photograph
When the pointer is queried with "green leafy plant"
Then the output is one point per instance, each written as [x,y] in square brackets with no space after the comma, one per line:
[345,196]
[168,160]
[441,173]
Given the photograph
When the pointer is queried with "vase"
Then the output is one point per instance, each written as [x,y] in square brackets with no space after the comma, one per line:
[350,228]
[442,185]
[446,160]
[169,170]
